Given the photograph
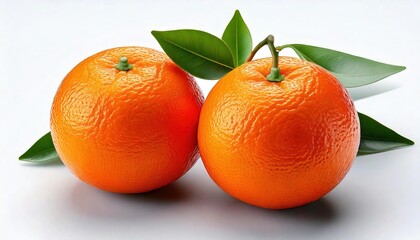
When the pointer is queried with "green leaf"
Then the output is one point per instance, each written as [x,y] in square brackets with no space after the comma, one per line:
[42,151]
[238,38]
[199,53]
[352,71]
[376,137]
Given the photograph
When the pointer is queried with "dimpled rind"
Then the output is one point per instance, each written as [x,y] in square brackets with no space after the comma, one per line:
[127,131]
[278,144]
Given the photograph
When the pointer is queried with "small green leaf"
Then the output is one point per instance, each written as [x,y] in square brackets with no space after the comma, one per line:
[352,71]
[199,53]
[42,151]
[238,38]
[376,137]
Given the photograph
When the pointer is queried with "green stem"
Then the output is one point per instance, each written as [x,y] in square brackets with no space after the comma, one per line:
[274,75]
[279,48]
[123,65]
[257,48]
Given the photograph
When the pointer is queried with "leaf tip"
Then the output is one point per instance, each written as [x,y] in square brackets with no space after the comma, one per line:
[153,32]
[410,142]
[398,68]
[23,157]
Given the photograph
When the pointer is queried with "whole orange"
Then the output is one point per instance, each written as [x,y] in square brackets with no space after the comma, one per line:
[278,144]
[127,130]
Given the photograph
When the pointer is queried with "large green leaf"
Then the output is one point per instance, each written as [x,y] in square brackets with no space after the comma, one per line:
[238,38]
[42,151]
[197,52]
[352,71]
[376,137]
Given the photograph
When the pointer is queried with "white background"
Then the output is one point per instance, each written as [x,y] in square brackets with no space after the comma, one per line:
[40,41]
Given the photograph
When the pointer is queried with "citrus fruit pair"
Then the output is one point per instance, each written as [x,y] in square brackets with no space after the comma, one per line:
[126,119]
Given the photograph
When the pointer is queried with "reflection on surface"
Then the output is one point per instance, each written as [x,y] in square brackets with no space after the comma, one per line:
[95,203]
[321,211]
[198,205]
[254,220]
[52,162]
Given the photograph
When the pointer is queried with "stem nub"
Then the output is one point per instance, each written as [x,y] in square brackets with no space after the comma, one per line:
[274,75]
[123,65]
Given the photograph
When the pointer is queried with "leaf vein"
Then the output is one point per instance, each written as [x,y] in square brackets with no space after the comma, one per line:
[37,153]
[197,54]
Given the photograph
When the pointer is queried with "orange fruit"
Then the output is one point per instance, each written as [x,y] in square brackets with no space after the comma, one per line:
[278,144]
[127,131]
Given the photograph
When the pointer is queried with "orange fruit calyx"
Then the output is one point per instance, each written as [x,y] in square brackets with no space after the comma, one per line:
[123,64]
[274,75]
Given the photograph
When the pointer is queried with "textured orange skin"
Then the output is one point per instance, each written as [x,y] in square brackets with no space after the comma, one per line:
[278,145]
[127,132]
